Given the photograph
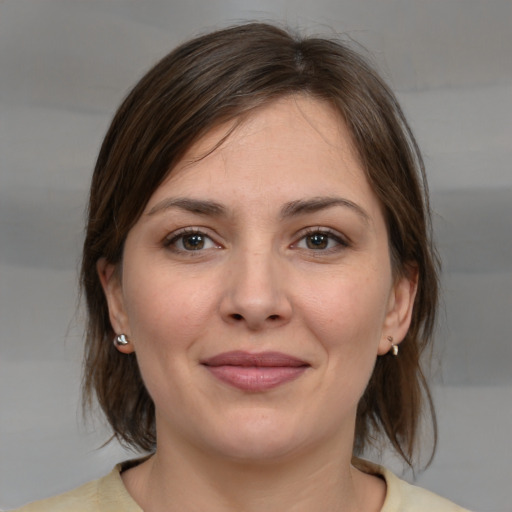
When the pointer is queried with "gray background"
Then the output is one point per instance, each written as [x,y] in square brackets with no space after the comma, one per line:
[64,68]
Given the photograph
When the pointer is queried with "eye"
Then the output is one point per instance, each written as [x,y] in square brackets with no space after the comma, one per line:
[320,240]
[190,240]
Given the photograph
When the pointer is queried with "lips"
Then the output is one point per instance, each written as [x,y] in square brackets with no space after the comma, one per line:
[255,371]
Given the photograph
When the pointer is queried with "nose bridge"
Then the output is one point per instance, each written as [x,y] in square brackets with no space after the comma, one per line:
[256,290]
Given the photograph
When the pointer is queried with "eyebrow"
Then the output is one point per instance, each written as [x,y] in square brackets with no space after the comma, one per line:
[315,204]
[290,209]
[199,206]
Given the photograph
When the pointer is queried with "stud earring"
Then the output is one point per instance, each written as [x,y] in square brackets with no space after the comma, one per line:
[121,340]
[394,348]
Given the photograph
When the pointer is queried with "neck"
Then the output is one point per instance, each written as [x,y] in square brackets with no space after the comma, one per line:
[190,480]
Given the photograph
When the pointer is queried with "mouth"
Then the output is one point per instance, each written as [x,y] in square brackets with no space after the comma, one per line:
[255,372]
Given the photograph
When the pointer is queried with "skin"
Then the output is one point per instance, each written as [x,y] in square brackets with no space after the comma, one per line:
[258,283]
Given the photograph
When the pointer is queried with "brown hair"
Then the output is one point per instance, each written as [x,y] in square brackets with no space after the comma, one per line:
[219,77]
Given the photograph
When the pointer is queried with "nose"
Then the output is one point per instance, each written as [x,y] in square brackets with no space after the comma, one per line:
[255,292]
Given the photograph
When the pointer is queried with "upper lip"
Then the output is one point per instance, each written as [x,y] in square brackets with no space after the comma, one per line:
[248,359]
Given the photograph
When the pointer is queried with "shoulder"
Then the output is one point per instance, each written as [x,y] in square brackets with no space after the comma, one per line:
[82,499]
[107,494]
[411,498]
[404,497]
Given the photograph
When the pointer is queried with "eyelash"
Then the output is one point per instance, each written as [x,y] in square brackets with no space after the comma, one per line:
[172,241]
[341,242]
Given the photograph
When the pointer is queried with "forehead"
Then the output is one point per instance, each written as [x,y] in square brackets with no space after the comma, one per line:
[293,116]
[292,146]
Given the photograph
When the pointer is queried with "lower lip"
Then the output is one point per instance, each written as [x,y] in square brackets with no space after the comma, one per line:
[256,378]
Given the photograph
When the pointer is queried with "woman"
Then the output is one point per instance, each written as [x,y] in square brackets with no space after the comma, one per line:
[258,249]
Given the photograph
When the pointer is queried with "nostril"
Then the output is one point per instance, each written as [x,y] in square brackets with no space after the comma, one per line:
[237,316]
[273,317]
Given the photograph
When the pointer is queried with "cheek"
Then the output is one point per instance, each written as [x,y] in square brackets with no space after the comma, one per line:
[167,316]
[353,304]
[164,311]
[347,316]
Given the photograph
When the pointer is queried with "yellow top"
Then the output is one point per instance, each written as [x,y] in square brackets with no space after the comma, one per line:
[108,494]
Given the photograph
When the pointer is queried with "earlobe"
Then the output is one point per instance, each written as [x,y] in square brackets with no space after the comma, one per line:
[112,288]
[400,308]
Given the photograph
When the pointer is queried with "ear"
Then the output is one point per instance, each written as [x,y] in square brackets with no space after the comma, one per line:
[113,290]
[399,310]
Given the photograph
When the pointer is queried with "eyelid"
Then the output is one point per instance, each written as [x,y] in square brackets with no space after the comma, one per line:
[335,235]
[342,241]
[174,236]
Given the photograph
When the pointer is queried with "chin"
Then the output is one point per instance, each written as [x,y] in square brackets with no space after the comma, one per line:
[254,449]
[259,438]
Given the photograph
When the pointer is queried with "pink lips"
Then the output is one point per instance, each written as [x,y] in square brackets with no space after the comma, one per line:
[255,372]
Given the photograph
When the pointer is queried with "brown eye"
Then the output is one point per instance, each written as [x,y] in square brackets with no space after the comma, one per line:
[321,240]
[190,241]
[317,241]
[193,242]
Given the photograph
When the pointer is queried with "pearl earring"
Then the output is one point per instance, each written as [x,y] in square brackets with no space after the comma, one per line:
[394,348]
[121,340]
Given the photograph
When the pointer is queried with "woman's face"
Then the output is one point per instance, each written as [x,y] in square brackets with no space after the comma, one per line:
[256,288]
